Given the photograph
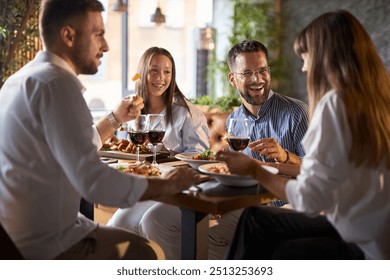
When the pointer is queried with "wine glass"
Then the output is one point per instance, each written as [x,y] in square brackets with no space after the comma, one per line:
[156,131]
[138,133]
[238,134]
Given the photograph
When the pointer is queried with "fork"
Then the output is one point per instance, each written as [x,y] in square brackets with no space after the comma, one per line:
[195,189]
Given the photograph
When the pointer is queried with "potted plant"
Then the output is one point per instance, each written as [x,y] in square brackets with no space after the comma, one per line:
[225,103]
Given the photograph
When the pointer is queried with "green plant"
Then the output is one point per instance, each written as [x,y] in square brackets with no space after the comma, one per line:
[19,38]
[256,20]
[224,103]
[3,33]
[203,100]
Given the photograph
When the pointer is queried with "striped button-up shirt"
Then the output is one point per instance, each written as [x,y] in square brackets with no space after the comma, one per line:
[281,117]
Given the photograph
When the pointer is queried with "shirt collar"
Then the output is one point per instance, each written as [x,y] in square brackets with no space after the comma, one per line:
[47,56]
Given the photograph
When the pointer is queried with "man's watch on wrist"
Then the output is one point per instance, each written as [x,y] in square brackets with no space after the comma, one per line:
[113,121]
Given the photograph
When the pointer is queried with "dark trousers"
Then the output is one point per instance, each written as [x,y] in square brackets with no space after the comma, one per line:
[87,209]
[275,233]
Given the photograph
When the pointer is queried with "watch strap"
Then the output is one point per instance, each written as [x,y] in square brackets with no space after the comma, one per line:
[114,122]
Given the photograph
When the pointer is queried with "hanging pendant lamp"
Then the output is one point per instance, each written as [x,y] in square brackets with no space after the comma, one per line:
[119,6]
[158,16]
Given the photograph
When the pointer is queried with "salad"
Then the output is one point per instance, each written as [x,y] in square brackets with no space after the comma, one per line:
[205,155]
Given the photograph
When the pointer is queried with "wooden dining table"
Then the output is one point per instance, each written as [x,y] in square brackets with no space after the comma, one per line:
[215,199]
[196,206]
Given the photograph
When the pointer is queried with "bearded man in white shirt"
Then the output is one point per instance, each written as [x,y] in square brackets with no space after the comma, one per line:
[48,160]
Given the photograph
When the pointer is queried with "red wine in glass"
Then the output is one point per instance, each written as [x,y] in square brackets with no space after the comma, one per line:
[138,133]
[238,134]
[156,129]
[238,143]
[138,138]
[156,136]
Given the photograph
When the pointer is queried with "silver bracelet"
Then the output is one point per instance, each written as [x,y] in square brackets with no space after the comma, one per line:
[114,122]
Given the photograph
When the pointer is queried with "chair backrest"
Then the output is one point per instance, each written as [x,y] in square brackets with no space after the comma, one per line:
[8,250]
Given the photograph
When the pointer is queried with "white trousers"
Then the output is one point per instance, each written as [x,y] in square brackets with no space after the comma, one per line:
[129,218]
[162,223]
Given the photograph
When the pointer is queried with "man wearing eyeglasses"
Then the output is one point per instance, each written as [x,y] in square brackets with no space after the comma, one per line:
[277,123]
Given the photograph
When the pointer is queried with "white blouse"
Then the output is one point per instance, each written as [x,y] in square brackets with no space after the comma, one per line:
[189,131]
[355,200]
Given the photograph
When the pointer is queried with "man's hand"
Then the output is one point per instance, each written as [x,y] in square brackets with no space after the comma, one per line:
[171,182]
[269,148]
[129,108]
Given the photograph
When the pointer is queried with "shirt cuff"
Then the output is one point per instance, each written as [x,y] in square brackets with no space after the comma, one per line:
[96,140]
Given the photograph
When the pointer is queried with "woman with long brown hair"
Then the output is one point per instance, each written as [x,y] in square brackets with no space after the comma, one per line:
[186,127]
[345,174]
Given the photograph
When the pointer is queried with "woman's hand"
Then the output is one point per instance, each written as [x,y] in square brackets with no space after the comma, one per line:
[241,164]
[238,163]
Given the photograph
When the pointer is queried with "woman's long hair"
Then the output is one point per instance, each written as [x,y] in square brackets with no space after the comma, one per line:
[172,94]
[342,57]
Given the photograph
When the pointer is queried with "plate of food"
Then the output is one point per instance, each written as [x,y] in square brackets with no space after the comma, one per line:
[145,169]
[221,173]
[196,159]
[124,149]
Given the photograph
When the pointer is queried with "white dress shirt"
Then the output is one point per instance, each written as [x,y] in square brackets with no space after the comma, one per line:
[355,200]
[48,161]
[189,131]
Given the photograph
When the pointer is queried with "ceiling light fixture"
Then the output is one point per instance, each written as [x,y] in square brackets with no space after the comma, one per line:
[119,6]
[158,16]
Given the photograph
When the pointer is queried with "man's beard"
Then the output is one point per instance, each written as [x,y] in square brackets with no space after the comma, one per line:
[86,67]
[258,100]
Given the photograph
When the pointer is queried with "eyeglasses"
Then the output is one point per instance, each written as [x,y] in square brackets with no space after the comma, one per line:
[263,72]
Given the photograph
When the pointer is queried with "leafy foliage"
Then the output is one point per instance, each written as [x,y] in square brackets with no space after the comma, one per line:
[256,20]
[19,37]
[224,103]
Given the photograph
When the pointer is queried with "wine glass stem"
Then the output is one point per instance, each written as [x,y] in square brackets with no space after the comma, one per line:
[138,162]
[154,155]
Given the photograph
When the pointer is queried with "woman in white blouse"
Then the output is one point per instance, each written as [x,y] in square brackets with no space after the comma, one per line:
[186,128]
[346,170]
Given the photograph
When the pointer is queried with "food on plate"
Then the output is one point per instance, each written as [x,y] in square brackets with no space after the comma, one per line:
[145,169]
[220,169]
[125,146]
[205,155]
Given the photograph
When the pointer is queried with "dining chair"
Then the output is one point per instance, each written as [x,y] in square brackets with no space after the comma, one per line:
[87,209]
[8,249]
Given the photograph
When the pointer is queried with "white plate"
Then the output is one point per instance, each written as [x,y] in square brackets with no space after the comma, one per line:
[232,179]
[194,163]
[163,168]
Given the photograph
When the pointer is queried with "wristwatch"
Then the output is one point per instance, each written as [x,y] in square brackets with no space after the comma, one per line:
[114,122]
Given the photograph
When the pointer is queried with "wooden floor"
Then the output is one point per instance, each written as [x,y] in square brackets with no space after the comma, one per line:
[102,216]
